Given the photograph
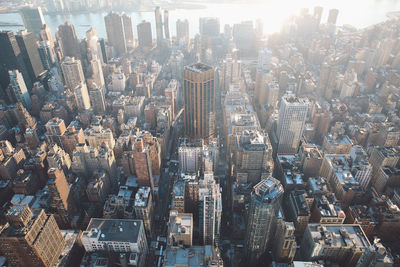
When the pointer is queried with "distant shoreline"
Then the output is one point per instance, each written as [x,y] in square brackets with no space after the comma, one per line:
[191,6]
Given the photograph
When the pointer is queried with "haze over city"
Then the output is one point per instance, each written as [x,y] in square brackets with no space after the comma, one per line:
[194,133]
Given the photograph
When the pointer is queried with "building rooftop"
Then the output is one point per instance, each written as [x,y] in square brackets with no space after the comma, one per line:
[338,235]
[198,67]
[268,189]
[142,196]
[118,230]
[193,256]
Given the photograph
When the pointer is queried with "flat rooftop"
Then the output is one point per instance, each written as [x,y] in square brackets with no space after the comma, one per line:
[198,67]
[118,230]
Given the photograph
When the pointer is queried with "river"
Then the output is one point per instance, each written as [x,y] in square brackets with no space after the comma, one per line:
[359,13]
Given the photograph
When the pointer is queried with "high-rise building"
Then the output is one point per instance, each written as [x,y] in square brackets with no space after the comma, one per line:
[182,30]
[166,25]
[30,54]
[264,208]
[47,36]
[284,247]
[332,17]
[61,197]
[141,158]
[18,89]
[199,99]
[144,207]
[68,40]
[97,72]
[159,25]
[209,26]
[210,209]
[30,240]
[128,29]
[46,54]
[11,57]
[292,118]
[33,19]
[96,95]
[75,81]
[145,36]
[116,32]
[318,13]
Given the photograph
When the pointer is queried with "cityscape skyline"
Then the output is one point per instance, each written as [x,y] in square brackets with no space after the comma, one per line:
[230,147]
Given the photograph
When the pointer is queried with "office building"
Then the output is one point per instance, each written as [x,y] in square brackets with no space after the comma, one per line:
[30,239]
[116,32]
[193,256]
[284,248]
[339,243]
[11,57]
[159,25]
[166,25]
[68,40]
[75,81]
[291,123]
[97,99]
[318,13]
[33,19]
[145,37]
[128,30]
[142,162]
[199,101]
[210,210]
[73,72]
[61,196]
[264,208]
[144,207]
[46,54]
[116,235]
[30,54]
[332,17]
[182,30]
[18,90]
[209,26]
[180,229]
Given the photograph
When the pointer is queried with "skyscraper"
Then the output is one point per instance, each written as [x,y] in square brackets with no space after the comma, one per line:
[182,30]
[332,17]
[33,19]
[60,195]
[30,54]
[318,13]
[210,209]
[18,89]
[116,32]
[199,99]
[97,72]
[292,118]
[30,240]
[264,207]
[75,81]
[209,26]
[73,72]
[46,54]
[166,25]
[96,94]
[11,57]
[128,28]
[159,25]
[145,37]
[68,40]
[142,162]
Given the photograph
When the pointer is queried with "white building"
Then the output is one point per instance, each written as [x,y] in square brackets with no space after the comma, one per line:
[292,119]
[118,81]
[116,235]
[210,209]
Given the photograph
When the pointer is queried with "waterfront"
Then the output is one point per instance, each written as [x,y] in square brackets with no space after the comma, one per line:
[273,13]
